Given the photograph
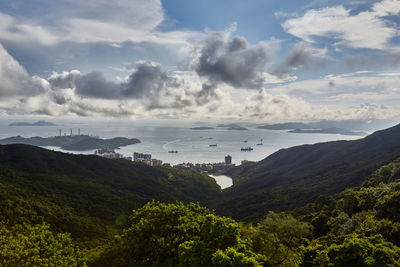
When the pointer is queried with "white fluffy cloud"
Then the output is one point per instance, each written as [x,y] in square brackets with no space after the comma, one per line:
[14,80]
[367,29]
[93,21]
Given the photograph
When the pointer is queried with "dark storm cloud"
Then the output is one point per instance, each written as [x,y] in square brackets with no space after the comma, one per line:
[232,61]
[95,85]
[206,94]
[300,56]
[146,80]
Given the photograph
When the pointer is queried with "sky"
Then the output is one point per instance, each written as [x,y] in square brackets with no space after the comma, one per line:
[255,61]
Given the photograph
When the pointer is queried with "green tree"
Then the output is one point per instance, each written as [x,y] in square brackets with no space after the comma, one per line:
[27,245]
[359,251]
[232,257]
[279,237]
[174,234]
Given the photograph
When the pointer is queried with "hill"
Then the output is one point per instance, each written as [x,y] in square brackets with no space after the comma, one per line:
[333,130]
[87,196]
[38,123]
[202,128]
[73,142]
[298,175]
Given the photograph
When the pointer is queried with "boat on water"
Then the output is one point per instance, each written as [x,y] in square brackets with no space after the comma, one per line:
[261,143]
[213,145]
[246,149]
[173,151]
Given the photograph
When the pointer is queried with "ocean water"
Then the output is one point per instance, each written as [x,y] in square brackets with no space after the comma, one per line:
[222,180]
[157,138]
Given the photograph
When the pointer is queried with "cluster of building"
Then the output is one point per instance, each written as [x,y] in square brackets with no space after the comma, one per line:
[137,157]
[110,154]
[146,158]
[220,166]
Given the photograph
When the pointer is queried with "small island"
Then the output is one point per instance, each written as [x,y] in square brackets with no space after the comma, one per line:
[72,142]
[38,123]
[232,126]
[329,131]
[285,126]
[236,128]
[202,128]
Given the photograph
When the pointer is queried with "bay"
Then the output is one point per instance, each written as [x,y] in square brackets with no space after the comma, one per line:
[157,138]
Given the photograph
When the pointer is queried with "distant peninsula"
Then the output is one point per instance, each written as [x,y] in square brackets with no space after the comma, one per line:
[202,128]
[329,131]
[285,126]
[74,142]
[38,123]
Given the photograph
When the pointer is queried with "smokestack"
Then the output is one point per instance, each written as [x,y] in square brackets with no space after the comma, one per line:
[79,131]
[71,131]
[60,132]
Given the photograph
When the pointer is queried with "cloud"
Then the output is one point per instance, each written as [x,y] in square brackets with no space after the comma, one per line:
[63,80]
[14,30]
[146,80]
[94,21]
[148,91]
[265,106]
[94,84]
[14,80]
[348,89]
[368,29]
[233,61]
[301,55]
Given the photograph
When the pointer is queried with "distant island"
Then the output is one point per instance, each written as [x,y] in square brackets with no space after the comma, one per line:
[202,128]
[74,142]
[232,126]
[285,126]
[237,128]
[227,125]
[329,131]
[38,123]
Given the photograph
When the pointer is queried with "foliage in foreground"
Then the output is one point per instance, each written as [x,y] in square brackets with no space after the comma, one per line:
[189,235]
[27,245]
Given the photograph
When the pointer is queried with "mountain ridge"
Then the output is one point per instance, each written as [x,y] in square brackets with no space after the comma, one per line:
[298,175]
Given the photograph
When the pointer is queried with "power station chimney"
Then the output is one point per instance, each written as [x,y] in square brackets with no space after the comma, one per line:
[60,132]
[79,131]
[71,131]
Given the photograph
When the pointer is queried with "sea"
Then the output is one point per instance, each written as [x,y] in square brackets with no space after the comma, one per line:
[159,137]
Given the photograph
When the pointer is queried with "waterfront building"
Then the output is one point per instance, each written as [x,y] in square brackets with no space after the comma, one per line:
[228,160]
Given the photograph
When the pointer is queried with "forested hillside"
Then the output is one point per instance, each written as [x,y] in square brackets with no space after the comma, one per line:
[298,175]
[357,227]
[87,196]
[75,210]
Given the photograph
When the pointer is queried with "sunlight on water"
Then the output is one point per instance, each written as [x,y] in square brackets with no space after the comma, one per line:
[222,180]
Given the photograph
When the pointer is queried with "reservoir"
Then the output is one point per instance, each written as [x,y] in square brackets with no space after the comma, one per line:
[222,180]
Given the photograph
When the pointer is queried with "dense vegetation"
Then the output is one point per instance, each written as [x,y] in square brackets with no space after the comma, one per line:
[296,176]
[59,209]
[358,227]
[87,196]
